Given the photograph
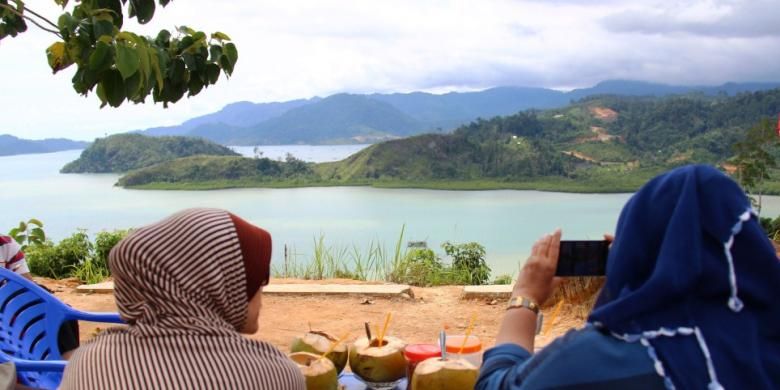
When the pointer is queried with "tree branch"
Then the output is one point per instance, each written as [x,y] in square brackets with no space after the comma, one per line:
[31,20]
[41,17]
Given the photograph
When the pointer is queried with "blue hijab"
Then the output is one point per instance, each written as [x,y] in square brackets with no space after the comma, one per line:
[692,276]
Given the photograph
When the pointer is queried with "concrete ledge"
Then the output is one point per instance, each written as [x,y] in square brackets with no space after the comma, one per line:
[492,291]
[98,288]
[373,290]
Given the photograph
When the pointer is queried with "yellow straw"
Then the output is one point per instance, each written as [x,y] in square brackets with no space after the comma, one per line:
[333,345]
[468,332]
[384,330]
[554,316]
[377,335]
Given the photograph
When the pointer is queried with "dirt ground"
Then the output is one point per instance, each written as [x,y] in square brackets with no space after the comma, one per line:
[415,320]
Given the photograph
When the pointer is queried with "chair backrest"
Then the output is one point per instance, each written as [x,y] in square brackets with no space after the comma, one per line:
[30,319]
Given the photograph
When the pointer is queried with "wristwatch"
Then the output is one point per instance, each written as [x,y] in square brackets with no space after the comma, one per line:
[524,302]
[527,303]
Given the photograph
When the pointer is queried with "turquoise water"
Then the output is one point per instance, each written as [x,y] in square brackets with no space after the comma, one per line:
[505,222]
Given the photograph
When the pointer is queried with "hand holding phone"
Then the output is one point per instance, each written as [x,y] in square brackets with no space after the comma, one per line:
[583,258]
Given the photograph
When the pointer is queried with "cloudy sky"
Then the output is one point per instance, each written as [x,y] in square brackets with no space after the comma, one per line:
[302,48]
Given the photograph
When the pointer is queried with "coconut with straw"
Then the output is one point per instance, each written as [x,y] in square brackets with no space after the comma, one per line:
[379,359]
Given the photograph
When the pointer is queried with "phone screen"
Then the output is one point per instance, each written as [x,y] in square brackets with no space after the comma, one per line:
[583,258]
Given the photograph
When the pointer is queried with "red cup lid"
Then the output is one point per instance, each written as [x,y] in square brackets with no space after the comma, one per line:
[420,352]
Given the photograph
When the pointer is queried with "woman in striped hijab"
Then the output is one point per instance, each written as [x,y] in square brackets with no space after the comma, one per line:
[187,286]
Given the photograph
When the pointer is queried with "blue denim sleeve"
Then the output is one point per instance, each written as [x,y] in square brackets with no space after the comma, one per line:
[500,366]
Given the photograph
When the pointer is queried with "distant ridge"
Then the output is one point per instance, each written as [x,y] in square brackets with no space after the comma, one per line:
[10,145]
[354,118]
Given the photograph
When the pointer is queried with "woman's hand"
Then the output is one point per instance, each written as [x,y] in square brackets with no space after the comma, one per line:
[537,278]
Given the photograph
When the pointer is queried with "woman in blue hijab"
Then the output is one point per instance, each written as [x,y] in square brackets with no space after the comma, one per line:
[690,301]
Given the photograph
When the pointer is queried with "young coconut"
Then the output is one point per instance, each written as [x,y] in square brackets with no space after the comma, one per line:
[320,342]
[375,363]
[320,373]
[449,374]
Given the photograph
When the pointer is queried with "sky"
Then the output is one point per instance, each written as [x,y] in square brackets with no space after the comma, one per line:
[303,48]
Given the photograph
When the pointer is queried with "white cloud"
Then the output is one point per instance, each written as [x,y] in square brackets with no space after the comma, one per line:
[303,48]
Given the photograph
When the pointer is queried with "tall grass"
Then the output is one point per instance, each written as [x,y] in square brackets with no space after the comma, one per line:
[374,262]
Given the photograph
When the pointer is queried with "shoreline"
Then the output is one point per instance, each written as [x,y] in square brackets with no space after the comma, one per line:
[471,185]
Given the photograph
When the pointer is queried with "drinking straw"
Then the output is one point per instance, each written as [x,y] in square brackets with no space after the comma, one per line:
[333,345]
[368,332]
[554,316]
[384,329]
[468,332]
[443,344]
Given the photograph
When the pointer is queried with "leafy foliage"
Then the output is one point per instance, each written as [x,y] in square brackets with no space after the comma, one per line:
[121,65]
[469,257]
[503,279]
[28,233]
[753,156]
[207,168]
[58,260]
[75,256]
[125,152]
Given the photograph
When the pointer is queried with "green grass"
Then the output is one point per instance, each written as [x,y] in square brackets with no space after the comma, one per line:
[377,261]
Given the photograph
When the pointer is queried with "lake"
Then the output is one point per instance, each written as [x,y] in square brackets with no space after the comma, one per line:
[506,222]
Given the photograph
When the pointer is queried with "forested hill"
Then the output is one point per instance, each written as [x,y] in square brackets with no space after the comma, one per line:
[355,118]
[602,143]
[603,133]
[10,145]
[124,152]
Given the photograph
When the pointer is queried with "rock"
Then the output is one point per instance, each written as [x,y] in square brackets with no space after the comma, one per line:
[367,301]
[493,302]
[406,296]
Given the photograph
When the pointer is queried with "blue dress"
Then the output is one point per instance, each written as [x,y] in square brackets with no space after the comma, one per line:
[582,359]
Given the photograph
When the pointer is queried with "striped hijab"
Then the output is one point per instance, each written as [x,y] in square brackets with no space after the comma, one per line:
[181,287]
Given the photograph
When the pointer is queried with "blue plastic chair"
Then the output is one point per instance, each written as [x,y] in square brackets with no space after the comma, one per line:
[30,320]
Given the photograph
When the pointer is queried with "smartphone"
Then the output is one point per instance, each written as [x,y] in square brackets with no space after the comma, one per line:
[583,258]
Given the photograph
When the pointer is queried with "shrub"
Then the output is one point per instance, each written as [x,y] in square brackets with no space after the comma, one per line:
[469,257]
[74,256]
[57,261]
[104,242]
[503,279]
[418,268]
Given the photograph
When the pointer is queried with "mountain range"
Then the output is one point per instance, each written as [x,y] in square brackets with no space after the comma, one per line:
[355,118]
[10,145]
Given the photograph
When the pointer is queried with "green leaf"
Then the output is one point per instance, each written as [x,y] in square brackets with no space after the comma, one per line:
[38,234]
[13,232]
[132,85]
[177,71]
[142,9]
[103,24]
[154,61]
[58,57]
[226,65]
[35,221]
[185,30]
[194,86]
[145,64]
[163,38]
[232,53]
[113,87]
[220,36]
[67,25]
[23,226]
[216,52]
[100,59]
[20,239]
[62,3]
[212,70]
[127,61]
